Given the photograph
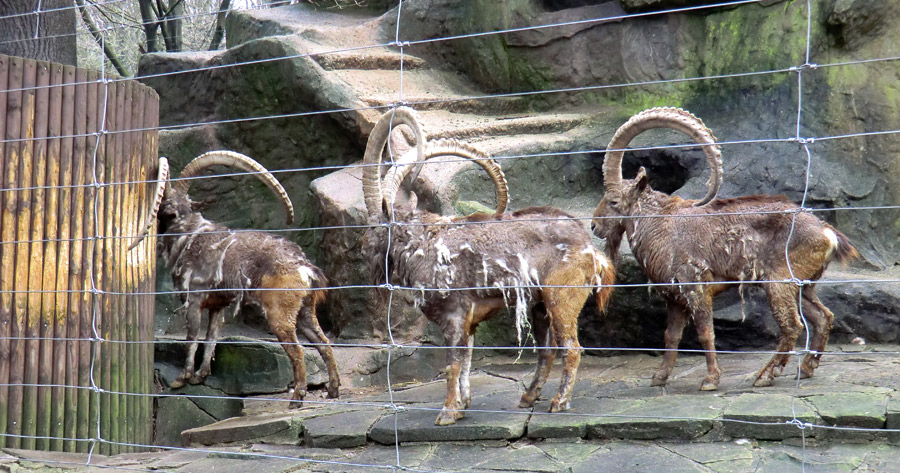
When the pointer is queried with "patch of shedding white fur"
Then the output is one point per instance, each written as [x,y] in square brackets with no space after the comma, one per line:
[503,265]
[484,269]
[186,281]
[218,277]
[527,278]
[465,246]
[443,253]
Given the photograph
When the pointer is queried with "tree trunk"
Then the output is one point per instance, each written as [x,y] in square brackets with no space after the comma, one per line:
[220,25]
[171,24]
[148,17]
[45,35]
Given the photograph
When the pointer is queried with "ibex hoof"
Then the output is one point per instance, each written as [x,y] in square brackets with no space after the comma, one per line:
[333,391]
[448,417]
[764,381]
[558,406]
[178,383]
[527,401]
[709,385]
[659,380]
[195,380]
[295,404]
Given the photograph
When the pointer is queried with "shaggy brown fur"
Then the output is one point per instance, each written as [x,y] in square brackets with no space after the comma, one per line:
[218,268]
[741,239]
[467,269]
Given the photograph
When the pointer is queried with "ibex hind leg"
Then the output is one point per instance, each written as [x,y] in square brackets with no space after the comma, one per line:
[783,301]
[563,306]
[546,342]
[822,320]
[309,326]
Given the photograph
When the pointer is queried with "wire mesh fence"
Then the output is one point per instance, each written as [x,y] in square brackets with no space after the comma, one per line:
[102,436]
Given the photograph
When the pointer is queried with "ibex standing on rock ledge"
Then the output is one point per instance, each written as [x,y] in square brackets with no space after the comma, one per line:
[695,245]
[218,268]
[468,268]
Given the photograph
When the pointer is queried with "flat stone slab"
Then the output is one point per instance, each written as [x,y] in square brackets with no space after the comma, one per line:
[574,422]
[490,417]
[679,416]
[865,410]
[238,429]
[620,457]
[768,417]
[340,430]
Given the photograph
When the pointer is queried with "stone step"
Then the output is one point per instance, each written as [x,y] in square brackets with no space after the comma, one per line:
[424,88]
[369,59]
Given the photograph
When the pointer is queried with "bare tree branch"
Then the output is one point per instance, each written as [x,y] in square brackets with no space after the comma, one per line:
[95,32]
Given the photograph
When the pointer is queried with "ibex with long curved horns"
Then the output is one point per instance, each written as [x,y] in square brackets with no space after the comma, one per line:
[699,246]
[468,268]
[217,267]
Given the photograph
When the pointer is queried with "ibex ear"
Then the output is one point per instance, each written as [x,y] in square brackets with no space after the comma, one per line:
[640,181]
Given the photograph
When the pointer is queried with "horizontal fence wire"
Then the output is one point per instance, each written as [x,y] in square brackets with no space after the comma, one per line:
[805,143]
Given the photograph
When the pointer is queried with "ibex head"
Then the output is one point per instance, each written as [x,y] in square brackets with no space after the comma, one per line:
[380,192]
[622,196]
[172,202]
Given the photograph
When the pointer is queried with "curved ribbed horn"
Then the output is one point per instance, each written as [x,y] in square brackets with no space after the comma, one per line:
[162,181]
[237,160]
[663,117]
[448,147]
[378,140]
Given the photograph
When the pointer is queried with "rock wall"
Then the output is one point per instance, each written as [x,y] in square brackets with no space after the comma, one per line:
[590,65]
[604,57]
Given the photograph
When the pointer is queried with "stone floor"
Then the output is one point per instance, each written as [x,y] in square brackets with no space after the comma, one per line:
[845,419]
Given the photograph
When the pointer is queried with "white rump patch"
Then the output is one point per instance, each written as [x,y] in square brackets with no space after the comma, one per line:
[832,240]
[306,274]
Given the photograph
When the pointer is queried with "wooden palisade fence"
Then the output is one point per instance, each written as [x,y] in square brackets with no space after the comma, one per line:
[76,308]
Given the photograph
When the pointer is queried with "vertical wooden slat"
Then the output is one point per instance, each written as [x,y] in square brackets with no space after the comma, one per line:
[116,166]
[20,311]
[47,379]
[133,369]
[62,149]
[82,247]
[151,119]
[7,236]
[34,322]
[90,370]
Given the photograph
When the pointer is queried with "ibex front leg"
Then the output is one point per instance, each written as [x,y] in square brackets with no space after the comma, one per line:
[191,309]
[216,319]
[452,321]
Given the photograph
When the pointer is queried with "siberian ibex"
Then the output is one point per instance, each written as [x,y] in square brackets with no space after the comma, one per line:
[218,268]
[698,246]
[467,268]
